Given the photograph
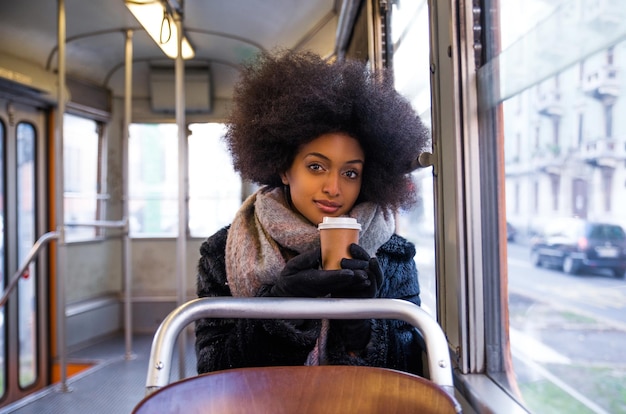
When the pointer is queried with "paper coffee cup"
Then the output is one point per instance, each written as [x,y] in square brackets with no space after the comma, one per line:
[336,235]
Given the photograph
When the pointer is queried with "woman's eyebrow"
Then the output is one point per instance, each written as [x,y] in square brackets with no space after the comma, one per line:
[320,155]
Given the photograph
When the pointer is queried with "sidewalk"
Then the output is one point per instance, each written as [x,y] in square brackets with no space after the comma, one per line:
[564,361]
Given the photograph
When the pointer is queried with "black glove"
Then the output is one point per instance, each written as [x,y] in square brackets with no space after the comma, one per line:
[356,332]
[302,277]
[363,264]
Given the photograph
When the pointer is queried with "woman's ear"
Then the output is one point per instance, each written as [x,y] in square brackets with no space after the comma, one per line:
[283,178]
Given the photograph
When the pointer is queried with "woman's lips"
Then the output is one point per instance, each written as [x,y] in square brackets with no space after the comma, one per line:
[328,207]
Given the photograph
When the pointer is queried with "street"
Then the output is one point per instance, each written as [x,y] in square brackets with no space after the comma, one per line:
[567,337]
[599,295]
[567,333]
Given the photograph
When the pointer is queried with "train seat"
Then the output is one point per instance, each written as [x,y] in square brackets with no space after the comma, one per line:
[300,389]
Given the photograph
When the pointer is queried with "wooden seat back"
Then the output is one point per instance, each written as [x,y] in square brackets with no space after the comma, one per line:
[300,390]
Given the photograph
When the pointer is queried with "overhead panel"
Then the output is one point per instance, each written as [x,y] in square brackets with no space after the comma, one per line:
[197,89]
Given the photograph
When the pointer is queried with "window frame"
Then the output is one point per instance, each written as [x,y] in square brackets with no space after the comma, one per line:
[470,221]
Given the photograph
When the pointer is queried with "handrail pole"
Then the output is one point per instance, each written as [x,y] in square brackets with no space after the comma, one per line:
[128,308]
[61,264]
[126,249]
[34,251]
[183,193]
[159,365]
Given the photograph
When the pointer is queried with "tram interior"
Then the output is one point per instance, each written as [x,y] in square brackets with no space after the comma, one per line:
[112,289]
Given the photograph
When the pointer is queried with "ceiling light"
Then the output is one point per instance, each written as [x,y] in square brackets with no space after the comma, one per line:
[160,25]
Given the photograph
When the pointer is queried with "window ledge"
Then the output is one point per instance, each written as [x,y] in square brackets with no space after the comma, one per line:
[482,395]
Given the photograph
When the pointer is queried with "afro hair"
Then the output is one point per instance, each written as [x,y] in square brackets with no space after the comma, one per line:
[285,99]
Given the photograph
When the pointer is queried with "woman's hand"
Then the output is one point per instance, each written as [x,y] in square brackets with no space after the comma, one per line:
[302,277]
[369,269]
[356,333]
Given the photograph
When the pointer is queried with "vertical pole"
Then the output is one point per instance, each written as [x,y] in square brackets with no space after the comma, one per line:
[59,198]
[181,245]
[126,253]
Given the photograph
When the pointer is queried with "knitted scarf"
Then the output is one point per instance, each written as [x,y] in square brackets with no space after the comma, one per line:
[266,226]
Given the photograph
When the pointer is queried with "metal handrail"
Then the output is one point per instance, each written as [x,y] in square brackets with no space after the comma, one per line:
[159,364]
[42,241]
[45,239]
[124,224]
[99,223]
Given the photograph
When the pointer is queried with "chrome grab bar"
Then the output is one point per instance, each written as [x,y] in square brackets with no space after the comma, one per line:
[99,223]
[161,353]
[42,241]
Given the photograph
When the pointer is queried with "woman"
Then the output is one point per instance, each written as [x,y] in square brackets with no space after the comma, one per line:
[323,140]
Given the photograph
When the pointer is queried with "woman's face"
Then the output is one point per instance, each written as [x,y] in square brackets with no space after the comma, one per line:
[325,177]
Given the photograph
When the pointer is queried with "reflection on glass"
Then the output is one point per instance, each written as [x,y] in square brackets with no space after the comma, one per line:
[25,239]
[562,95]
[409,28]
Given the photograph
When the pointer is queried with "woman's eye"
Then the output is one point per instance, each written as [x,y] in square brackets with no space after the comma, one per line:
[351,174]
[315,167]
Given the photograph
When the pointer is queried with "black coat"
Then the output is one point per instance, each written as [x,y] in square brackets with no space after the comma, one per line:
[235,343]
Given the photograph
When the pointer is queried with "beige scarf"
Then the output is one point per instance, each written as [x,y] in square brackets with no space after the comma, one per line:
[265,226]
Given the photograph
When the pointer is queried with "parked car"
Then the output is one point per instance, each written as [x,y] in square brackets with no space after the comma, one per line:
[574,245]
[511,232]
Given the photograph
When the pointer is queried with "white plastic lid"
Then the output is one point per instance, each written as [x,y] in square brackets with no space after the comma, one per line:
[339,223]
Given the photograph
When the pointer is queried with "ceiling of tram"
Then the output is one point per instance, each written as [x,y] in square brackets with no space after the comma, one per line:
[223,33]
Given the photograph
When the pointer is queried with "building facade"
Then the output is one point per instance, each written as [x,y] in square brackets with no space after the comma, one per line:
[565,135]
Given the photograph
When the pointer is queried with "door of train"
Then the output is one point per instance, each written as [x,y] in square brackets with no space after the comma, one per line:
[23,339]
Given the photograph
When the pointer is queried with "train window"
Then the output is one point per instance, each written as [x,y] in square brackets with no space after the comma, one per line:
[153,180]
[214,186]
[26,237]
[3,353]
[409,29]
[81,152]
[554,81]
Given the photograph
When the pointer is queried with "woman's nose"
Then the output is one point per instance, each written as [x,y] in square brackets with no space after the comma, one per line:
[331,185]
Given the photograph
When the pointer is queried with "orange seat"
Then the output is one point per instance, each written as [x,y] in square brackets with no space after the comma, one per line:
[301,390]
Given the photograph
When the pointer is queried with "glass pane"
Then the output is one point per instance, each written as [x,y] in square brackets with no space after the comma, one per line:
[214,186]
[561,94]
[409,27]
[153,180]
[3,352]
[81,163]
[26,237]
